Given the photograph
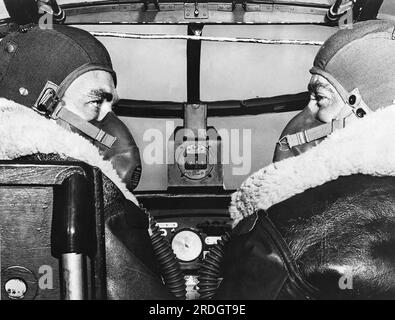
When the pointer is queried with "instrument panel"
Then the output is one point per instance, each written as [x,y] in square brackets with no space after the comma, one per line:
[191,223]
[191,238]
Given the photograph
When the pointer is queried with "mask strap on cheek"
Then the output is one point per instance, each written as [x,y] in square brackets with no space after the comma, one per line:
[85,127]
[313,134]
[50,105]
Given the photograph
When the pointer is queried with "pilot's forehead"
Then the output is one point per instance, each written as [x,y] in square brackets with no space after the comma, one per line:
[94,82]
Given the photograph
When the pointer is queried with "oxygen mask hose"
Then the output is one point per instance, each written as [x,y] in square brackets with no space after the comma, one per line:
[169,265]
[210,271]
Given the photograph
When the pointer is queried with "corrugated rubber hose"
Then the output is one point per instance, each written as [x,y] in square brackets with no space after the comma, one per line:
[210,271]
[169,265]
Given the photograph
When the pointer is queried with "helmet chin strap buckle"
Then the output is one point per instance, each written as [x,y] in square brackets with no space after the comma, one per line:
[47,100]
[358,106]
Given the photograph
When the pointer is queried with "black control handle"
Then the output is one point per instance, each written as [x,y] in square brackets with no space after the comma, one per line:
[73,224]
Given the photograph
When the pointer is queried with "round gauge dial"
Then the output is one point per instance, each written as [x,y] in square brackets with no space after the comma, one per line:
[187,245]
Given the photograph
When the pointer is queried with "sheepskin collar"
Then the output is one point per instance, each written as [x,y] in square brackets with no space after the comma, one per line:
[366,146]
[24,132]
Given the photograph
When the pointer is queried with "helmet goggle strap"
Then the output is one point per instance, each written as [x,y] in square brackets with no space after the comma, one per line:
[49,105]
[358,107]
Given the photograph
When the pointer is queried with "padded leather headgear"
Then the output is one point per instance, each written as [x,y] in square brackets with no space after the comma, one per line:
[361,58]
[29,59]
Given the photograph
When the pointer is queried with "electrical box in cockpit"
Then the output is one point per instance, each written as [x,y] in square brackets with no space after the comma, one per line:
[195,151]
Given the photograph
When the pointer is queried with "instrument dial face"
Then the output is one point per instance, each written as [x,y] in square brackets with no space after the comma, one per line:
[193,160]
[187,245]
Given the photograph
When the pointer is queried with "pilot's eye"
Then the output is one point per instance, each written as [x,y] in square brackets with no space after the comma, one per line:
[322,100]
[96,103]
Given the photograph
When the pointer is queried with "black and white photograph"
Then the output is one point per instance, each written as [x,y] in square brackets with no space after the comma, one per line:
[197,156]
